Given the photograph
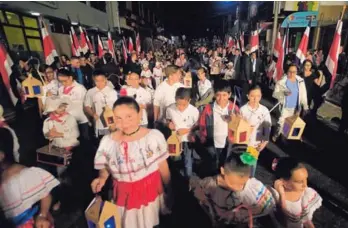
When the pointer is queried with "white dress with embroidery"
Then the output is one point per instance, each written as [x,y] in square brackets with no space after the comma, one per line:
[21,191]
[301,211]
[138,190]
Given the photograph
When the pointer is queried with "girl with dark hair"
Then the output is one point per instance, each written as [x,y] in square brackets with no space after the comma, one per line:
[310,77]
[136,158]
[297,201]
[25,192]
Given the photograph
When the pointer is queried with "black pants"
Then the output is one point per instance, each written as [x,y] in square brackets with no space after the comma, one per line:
[84,132]
[344,121]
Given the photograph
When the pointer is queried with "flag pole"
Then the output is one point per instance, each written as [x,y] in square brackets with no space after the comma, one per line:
[342,13]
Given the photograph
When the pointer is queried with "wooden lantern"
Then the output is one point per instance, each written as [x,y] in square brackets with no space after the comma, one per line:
[102,214]
[32,87]
[188,80]
[52,155]
[239,130]
[293,127]
[107,117]
[174,144]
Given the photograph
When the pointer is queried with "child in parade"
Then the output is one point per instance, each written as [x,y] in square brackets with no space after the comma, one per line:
[297,201]
[158,73]
[259,118]
[96,99]
[142,96]
[145,84]
[136,159]
[205,89]
[232,197]
[146,72]
[165,93]
[25,192]
[13,144]
[52,85]
[183,117]
[75,93]
[213,123]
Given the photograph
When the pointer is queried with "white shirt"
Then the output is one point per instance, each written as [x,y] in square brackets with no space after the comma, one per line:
[68,127]
[253,61]
[220,126]
[260,120]
[146,73]
[229,74]
[76,97]
[203,87]
[185,119]
[52,87]
[165,96]
[157,72]
[143,97]
[97,99]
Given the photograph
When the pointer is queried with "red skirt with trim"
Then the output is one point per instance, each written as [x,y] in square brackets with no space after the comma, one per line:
[133,195]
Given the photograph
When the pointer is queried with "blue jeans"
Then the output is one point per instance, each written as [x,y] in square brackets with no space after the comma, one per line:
[187,157]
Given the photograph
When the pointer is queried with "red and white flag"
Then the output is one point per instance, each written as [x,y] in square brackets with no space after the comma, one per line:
[6,71]
[90,46]
[254,41]
[111,44]
[302,47]
[332,58]
[230,42]
[100,48]
[83,43]
[48,46]
[75,42]
[242,41]
[124,50]
[137,42]
[73,49]
[276,50]
[130,45]
[278,72]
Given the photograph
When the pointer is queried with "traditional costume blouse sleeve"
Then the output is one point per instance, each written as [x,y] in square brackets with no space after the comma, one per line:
[311,201]
[23,190]
[103,153]
[156,147]
[73,130]
[46,127]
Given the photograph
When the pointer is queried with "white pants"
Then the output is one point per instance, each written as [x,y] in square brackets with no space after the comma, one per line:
[285,113]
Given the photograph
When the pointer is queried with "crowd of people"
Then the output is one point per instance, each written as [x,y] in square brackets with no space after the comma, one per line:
[150,101]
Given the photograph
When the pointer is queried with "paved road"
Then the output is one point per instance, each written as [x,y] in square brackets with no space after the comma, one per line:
[323,149]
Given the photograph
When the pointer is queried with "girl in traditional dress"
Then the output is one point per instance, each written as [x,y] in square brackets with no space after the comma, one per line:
[297,201]
[136,159]
[25,192]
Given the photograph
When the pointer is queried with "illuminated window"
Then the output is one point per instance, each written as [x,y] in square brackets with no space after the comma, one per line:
[31,32]
[35,44]
[30,22]
[13,18]
[15,38]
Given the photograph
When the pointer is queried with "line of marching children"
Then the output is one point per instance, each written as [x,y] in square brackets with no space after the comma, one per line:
[136,157]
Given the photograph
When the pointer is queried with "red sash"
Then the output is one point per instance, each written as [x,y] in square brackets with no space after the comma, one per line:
[55,117]
[67,90]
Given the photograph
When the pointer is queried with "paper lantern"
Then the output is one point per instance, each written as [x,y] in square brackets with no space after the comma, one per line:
[174,144]
[102,214]
[293,127]
[107,117]
[188,80]
[32,87]
[52,155]
[239,130]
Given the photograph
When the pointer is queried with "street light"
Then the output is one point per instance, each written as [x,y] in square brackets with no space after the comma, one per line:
[35,14]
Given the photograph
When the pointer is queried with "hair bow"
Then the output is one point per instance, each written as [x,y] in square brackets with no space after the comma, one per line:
[250,156]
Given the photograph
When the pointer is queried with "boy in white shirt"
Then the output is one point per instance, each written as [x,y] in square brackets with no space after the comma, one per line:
[259,118]
[165,93]
[75,93]
[141,95]
[205,89]
[213,124]
[96,99]
[183,117]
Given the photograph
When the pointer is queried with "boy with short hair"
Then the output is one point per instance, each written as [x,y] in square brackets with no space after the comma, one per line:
[232,196]
[183,117]
[213,123]
[205,89]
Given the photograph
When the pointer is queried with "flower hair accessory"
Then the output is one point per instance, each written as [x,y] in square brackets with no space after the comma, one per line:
[250,156]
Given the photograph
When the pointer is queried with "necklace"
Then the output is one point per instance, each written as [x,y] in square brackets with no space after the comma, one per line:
[132,133]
